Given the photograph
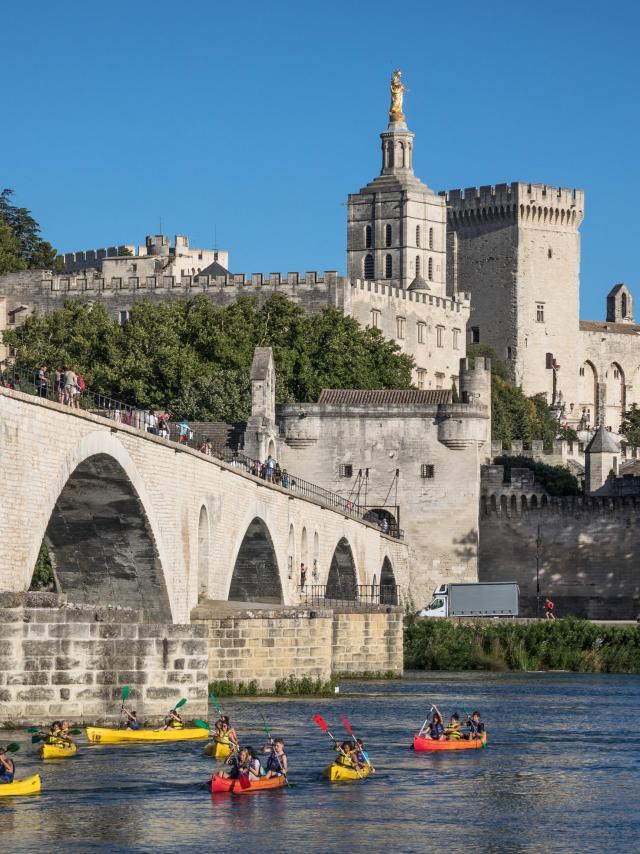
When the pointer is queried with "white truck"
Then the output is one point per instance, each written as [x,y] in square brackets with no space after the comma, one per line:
[479,599]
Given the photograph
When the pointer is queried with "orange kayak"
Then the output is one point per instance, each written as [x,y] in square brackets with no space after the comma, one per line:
[225,784]
[421,744]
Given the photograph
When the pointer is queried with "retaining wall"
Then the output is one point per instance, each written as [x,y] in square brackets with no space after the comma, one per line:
[59,660]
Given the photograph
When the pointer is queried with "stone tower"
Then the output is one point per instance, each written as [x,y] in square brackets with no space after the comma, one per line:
[601,459]
[619,305]
[396,225]
[516,248]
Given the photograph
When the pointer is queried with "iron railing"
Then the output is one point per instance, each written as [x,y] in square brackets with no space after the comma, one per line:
[146,420]
[350,596]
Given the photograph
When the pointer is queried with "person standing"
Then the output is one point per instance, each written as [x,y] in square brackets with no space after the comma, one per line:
[42,381]
[69,386]
[303,577]
[548,609]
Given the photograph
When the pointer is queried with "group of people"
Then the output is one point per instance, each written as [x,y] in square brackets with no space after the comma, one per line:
[59,734]
[172,720]
[352,754]
[271,471]
[157,423]
[244,761]
[67,385]
[437,731]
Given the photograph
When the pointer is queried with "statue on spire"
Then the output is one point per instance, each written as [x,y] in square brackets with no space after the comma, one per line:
[398,89]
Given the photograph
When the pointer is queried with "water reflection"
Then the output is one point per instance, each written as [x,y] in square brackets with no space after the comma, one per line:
[544,783]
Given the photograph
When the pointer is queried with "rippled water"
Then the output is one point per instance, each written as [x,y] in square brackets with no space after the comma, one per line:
[544,783]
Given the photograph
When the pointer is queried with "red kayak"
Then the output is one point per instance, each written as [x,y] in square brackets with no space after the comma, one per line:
[421,744]
[226,784]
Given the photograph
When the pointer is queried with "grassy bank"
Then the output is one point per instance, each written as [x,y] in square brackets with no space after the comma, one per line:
[289,687]
[566,644]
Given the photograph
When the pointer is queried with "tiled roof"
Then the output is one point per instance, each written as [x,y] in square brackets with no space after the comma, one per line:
[384,396]
[602,443]
[604,326]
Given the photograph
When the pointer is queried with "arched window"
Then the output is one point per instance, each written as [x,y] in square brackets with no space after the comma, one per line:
[388,235]
[388,266]
[418,236]
[368,267]
[417,265]
[430,269]
[430,238]
[623,305]
[367,237]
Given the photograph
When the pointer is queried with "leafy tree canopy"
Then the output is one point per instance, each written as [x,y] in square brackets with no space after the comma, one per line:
[557,480]
[194,358]
[21,246]
[630,427]
[513,414]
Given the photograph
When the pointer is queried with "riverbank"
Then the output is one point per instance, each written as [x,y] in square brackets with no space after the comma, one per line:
[565,644]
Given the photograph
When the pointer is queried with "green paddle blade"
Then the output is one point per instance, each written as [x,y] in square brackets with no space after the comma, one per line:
[75,731]
[125,693]
[33,729]
[201,724]
[14,747]
[35,739]
[180,703]
[216,704]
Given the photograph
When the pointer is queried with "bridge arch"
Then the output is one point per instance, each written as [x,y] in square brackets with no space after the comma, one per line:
[342,582]
[256,576]
[101,531]
[388,589]
[204,552]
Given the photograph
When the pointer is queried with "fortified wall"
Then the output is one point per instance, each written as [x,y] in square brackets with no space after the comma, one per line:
[585,548]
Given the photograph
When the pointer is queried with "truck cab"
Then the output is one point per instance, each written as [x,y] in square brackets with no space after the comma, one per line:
[439,605]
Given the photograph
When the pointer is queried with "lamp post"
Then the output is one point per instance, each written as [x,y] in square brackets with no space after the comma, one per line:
[538,544]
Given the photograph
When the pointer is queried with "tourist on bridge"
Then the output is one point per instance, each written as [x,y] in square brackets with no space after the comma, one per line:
[303,576]
[42,381]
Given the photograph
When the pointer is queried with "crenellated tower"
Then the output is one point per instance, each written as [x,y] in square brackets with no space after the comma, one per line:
[516,248]
[396,224]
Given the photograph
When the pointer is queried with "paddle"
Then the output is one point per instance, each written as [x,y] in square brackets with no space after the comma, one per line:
[180,703]
[41,736]
[125,694]
[425,723]
[273,750]
[324,726]
[347,726]
[201,724]
[12,747]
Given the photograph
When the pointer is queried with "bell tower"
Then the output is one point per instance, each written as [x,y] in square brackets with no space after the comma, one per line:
[396,224]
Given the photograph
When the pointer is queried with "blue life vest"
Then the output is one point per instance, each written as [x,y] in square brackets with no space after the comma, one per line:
[7,776]
[274,763]
[133,725]
[476,728]
[436,730]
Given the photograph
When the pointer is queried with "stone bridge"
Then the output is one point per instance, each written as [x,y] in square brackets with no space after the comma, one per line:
[134,520]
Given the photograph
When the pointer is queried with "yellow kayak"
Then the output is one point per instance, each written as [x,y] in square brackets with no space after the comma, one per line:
[338,773]
[218,749]
[28,786]
[103,735]
[57,751]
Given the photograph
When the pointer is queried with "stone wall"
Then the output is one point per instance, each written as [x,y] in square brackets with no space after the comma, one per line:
[60,660]
[268,645]
[587,550]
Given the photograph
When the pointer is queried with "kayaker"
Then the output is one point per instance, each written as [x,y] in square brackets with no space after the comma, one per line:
[277,764]
[65,733]
[225,734]
[132,720]
[347,755]
[435,730]
[476,727]
[252,765]
[7,767]
[54,733]
[453,729]
[173,720]
[236,764]
[361,754]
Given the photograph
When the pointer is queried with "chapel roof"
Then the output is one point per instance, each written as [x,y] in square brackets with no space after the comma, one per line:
[214,269]
[384,396]
[604,326]
[419,284]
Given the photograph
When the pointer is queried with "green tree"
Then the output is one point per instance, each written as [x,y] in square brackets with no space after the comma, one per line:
[23,248]
[630,427]
[124,251]
[194,358]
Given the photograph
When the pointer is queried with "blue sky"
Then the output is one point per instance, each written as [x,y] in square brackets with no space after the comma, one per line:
[257,119]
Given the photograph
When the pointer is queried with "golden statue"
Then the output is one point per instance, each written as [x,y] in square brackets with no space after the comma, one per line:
[398,89]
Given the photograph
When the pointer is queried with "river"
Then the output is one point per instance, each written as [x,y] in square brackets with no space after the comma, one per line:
[543,783]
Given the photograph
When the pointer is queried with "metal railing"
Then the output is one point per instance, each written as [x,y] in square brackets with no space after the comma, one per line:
[147,420]
[350,596]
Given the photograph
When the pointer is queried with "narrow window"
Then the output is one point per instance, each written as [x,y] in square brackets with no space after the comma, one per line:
[400,327]
[422,333]
[388,267]
[549,252]
[440,336]
[124,318]
[439,380]
[430,238]
[388,235]
[540,312]
[549,362]
[623,305]
[422,376]
[417,265]
[430,269]
[418,236]
[375,318]
[475,335]
[509,353]
[367,237]
[581,372]
[456,339]
[368,268]
[426,470]
[346,470]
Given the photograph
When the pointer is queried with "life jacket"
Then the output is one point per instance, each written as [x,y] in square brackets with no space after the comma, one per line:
[7,776]
[344,760]
[275,763]
[222,738]
[176,724]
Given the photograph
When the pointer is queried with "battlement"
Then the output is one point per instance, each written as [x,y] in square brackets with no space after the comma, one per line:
[539,203]
[560,453]
[462,301]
